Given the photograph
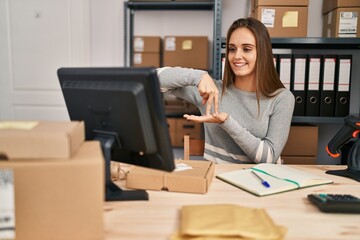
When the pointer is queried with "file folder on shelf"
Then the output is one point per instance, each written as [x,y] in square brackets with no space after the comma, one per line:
[285,69]
[276,62]
[327,93]
[298,83]
[342,86]
[222,65]
[313,86]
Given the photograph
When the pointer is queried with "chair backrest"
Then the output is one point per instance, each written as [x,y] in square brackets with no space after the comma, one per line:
[193,147]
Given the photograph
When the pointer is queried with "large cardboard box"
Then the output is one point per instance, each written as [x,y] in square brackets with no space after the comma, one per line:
[45,139]
[196,179]
[302,141]
[186,51]
[147,51]
[282,18]
[342,22]
[59,199]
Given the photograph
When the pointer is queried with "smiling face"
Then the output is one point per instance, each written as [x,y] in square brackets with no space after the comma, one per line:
[242,58]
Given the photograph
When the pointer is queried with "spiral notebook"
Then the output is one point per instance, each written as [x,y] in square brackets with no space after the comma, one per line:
[281,178]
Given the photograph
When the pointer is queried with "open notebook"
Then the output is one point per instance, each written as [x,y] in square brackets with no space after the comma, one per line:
[281,178]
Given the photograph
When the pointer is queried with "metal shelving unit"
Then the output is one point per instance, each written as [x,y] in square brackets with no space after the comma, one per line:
[131,7]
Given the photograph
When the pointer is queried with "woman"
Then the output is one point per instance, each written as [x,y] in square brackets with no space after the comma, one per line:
[250,121]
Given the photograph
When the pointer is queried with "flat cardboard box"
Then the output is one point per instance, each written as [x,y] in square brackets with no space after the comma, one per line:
[302,141]
[146,59]
[283,21]
[186,51]
[330,5]
[342,22]
[305,160]
[59,199]
[45,139]
[256,3]
[195,180]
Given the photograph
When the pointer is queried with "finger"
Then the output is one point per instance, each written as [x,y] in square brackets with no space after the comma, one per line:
[209,104]
[216,102]
[205,98]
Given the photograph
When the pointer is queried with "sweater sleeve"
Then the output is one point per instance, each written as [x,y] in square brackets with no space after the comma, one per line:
[269,148]
[181,82]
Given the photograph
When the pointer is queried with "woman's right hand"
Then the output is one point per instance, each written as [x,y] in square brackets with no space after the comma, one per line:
[209,93]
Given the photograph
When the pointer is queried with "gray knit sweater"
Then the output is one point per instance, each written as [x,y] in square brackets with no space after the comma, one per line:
[245,137]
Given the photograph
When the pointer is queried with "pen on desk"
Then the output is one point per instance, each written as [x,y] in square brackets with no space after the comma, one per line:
[263,182]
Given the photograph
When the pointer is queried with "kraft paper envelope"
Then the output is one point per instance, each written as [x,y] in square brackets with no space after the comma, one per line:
[226,221]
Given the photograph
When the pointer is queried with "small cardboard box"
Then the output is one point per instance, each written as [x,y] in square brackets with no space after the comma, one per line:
[194,180]
[59,199]
[149,44]
[147,51]
[146,60]
[186,51]
[302,141]
[342,22]
[43,139]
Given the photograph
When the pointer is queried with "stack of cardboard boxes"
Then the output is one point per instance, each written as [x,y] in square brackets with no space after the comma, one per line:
[51,181]
[147,51]
[282,18]
[341,18]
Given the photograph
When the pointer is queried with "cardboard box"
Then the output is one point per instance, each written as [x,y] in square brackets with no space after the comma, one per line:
[147,51]
[302,141]
[146,60]
[342,22]
[330,5]
[59,199]
[299,160]
[43,139]
[186,127]
[194,180]
[186,51]
[283,21]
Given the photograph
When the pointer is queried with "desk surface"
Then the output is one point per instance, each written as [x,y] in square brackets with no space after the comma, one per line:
[158,218]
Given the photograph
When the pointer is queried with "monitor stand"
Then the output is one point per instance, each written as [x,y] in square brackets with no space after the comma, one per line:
[112,191]
[353,162]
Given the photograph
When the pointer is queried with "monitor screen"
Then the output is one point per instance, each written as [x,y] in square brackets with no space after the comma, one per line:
[121,107]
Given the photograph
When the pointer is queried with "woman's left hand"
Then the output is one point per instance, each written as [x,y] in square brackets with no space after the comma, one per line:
[211,118]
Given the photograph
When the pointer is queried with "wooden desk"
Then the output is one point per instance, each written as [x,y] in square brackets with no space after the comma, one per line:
[158,218]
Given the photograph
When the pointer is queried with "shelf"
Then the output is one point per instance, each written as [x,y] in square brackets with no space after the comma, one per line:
[215,6]
[170,5]
[316,43]
[327,120]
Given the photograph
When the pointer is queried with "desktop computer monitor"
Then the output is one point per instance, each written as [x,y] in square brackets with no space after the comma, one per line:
[123,109]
